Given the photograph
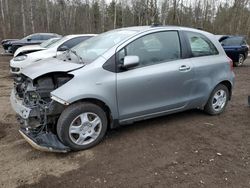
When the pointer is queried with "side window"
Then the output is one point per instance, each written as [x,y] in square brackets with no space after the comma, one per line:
[153,48]
[46,37]
[200,45]
[73,42]
[35,37]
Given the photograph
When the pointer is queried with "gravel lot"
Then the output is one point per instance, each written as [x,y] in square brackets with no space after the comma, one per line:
[189,149]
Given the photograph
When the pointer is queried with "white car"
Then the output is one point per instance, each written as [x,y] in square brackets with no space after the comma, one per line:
[34,48]
[20,62]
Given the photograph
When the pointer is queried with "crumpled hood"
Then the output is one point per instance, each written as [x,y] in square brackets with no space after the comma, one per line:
[48,66]
[28,48]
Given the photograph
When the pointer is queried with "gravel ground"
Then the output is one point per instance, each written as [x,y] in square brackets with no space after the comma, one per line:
[189,149]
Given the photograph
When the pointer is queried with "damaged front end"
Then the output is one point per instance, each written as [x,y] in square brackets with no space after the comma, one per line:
[37,112]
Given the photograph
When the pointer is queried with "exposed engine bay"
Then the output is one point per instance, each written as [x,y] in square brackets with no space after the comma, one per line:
[44,112]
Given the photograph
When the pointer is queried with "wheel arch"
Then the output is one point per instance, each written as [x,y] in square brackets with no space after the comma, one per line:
[112,123]
[229,86]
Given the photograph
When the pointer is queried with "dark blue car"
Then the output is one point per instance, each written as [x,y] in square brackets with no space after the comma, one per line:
[11,45]
[235,47]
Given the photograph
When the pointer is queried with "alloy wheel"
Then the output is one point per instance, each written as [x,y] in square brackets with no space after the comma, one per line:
[219,100]
[85,128]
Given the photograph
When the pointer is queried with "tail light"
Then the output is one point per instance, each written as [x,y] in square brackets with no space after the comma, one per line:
[230,61]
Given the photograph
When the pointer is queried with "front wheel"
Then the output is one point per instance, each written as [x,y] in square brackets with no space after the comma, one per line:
[82,125]
[217,101]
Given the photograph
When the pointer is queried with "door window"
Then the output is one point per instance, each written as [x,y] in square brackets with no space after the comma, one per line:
[35,37]
[153,48]
[46,37]
[200,45]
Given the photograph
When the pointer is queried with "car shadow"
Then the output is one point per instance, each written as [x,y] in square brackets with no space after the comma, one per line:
[158,121]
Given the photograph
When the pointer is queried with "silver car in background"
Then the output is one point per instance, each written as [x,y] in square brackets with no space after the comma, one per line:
[120,77]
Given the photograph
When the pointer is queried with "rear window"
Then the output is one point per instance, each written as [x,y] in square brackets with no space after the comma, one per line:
[232,41]
[201,45]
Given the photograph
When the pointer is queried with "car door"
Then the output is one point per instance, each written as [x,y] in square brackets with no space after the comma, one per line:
[208,64]
[161,83]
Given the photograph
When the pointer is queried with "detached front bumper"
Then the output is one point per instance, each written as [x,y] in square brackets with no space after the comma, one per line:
[42,140]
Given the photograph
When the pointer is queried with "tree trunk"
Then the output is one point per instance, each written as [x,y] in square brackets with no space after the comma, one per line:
[31,17]
[115,16]
[47,15]
[3,19]
[23,17]
[8,17]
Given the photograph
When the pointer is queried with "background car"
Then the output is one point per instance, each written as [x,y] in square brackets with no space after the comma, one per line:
[57,48]
[235,47]
[11,46]
[33,48]
[6,43]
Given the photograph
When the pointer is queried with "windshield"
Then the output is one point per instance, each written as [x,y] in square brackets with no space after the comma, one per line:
[91,49]
[49,42]
[232,41]
[59,42]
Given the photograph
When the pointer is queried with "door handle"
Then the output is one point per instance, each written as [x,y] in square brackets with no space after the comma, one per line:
[184,68]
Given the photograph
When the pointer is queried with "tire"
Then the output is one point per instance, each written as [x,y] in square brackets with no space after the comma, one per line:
[240,60]
[215,106]
[82,125]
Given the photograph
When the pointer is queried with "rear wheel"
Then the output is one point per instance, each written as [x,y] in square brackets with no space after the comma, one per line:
[218,100]
[82,126]
[240,61]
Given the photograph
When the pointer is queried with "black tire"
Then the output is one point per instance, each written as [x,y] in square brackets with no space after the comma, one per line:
[69,115]
[240,61]
[209,106]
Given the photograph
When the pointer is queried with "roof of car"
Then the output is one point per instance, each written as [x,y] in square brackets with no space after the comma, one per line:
[80,35]
[223,37]
[159,27]
[230,36]
[46,33]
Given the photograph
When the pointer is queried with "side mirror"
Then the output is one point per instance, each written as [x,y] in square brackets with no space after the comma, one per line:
[130,62]
[62,48]
[28,39]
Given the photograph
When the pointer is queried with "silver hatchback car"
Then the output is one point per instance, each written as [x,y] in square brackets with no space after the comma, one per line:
[120,77]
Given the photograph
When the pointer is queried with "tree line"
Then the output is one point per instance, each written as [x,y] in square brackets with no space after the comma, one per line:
[19,18]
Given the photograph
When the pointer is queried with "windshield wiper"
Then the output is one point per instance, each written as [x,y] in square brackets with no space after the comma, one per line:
[80,60]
